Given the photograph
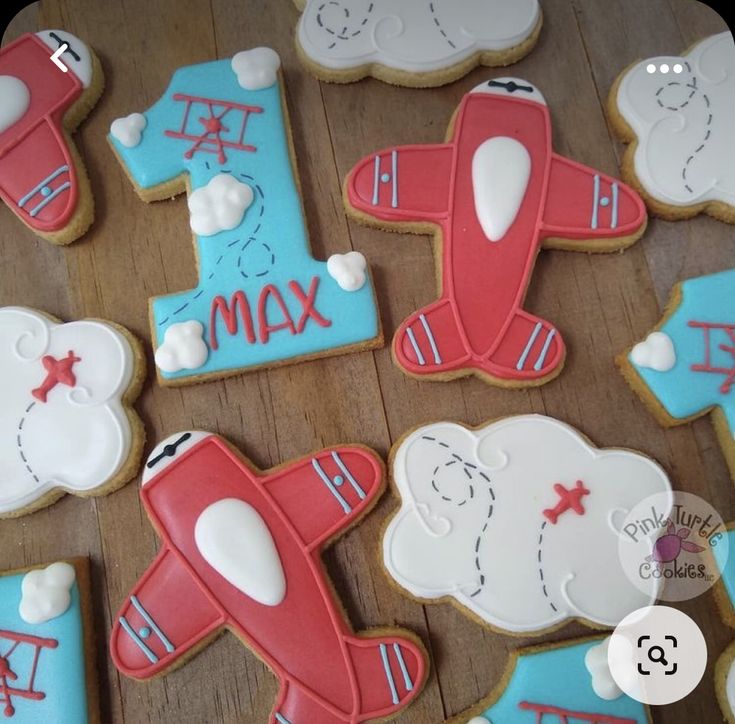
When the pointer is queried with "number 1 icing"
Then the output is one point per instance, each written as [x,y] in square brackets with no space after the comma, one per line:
[494,193]
[243,549]
[262,300]
[686,368]
[65,421]
[42,180]
[516,522]
[678,114]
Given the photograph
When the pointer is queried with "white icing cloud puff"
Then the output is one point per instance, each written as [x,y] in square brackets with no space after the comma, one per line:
[655,352]
[411,36]
[257,68]
[603,683]
[128,130]
[482,520]
[46,592]
[684,120]
[183,347]
[62,421]
[218,206]
[348,270]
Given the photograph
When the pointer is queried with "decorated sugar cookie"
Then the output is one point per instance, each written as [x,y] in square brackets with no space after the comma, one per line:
[243,548]
[570,681]
[222,130]
[496,194]
[725,683]
[47,672]
[517,522]
[678,115]
[414,42]
[686,367]
[66,420]
[42,177]
[725,587]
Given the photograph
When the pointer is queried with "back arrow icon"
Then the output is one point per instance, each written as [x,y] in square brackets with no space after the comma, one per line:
[55,58]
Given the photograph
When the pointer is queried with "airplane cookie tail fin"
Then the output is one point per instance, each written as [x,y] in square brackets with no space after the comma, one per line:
[390,673]
[531,349]
[429,341]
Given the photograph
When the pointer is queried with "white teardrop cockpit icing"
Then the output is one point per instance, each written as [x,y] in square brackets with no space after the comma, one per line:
[235,540]
[16,99]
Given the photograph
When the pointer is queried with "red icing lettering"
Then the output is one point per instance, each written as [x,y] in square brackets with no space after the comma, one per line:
[307,303]
[725,332]
[567,714]
[265,328]
[238,302]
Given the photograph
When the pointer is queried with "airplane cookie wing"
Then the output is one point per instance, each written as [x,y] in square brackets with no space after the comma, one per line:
[585,205]
[403,184]
[326,493]
[165,615]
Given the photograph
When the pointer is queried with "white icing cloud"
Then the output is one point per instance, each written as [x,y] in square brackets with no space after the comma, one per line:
[257,68]
[655,352]
[128,130]
[73,434]
[348,270]
[411,36]
[46,592]
[218,206]
[183,347]
[684,121]
[486,535]
[603,683]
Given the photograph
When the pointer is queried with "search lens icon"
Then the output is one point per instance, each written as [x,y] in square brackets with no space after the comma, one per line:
[660,656]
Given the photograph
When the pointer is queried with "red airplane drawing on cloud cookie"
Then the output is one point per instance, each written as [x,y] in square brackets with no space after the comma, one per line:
[58,371]
[497,193]
[242,548]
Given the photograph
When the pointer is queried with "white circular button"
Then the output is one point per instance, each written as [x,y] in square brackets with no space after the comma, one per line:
[657,655]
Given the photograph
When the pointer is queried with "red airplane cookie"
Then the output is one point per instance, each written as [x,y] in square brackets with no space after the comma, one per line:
[495,192]
[42,178]
[242,548]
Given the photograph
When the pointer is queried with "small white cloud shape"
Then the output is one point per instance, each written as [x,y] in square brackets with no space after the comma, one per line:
[655,352]
[603,683]
[218,206]
[257,68]
[348,270]
[183,347]
[128,130]
[46,592]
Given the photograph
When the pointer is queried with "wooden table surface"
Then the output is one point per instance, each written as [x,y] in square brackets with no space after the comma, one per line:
[134,251]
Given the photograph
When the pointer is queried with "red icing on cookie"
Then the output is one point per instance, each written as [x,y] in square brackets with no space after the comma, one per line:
[58,371]
[496,190]
[565,715]
[569,499]
[326,672]
[38,179]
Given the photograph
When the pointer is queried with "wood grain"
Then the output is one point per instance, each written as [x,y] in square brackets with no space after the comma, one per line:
[134,251]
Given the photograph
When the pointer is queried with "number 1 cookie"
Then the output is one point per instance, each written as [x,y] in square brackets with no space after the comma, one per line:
[66,417]
[221,131]
[42,177]
[678,115]
[685,368]
[243,549]
[414,42]
[517,522]
[493,193]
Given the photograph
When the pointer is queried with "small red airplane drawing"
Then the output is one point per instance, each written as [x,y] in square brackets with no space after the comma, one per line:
[242,549]
[569,499]
[494,193]
[58,372]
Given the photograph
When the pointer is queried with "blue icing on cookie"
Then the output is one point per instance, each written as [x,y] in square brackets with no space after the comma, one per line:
[557,679]
[726,563]
[60,671]
[702,330]
[285,303]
